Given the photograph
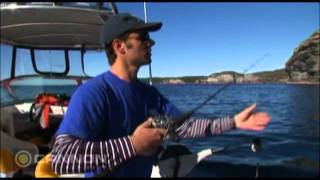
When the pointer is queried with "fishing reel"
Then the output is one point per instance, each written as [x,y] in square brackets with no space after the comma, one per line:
[167,123]
[160,122]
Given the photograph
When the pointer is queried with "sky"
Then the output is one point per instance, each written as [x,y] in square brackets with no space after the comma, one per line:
[204,38]
[198,39]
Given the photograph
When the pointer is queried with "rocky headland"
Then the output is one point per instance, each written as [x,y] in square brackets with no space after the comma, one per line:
[301,68]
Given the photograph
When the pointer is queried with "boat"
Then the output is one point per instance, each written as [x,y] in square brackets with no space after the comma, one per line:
[32,99]
[34,96]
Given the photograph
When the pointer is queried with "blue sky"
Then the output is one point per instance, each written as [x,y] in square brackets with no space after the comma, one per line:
[205,38]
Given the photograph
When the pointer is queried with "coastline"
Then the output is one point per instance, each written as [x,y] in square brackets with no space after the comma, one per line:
[222,83]
[304,83]
[289,83]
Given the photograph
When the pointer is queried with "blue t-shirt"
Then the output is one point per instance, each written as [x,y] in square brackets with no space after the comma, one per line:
[108,107]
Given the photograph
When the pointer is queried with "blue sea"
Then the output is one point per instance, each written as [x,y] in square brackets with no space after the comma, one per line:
[290,143]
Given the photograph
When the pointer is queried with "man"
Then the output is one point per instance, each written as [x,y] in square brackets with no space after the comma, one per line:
[108,122]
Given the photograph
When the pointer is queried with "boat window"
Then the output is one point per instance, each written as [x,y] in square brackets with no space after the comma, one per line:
[92,5]
[6,58]
[28,88]
[50,61]
[23,62]
[5,97]
[75,63]
[95,63]
[31,87]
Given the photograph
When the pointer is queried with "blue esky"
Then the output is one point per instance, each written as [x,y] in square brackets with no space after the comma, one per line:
[205,38]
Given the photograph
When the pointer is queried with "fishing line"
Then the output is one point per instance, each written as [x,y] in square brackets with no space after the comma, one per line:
[190,113]
[172,124]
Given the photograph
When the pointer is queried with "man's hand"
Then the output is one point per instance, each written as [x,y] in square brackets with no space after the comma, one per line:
[247,120]
[145,139]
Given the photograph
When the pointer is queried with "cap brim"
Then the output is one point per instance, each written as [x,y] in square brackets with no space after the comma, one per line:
[148,26]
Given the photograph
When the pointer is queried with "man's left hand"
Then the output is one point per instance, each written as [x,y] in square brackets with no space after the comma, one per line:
[247,120]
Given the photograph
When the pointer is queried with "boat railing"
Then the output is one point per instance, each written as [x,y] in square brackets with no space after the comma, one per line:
[110,6]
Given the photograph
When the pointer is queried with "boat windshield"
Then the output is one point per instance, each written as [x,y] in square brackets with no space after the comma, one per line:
[45,71]
[50,47]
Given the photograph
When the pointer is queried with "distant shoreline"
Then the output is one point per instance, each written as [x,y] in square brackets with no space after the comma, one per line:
[294,83]
[304,83]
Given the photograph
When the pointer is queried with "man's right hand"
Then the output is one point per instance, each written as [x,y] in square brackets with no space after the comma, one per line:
[145,139]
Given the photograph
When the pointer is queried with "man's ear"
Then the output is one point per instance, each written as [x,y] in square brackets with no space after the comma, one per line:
[118,46]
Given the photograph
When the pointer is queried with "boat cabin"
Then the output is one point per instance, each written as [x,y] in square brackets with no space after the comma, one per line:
[47,50]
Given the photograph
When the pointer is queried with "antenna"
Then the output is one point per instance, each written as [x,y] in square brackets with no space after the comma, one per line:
[145,20]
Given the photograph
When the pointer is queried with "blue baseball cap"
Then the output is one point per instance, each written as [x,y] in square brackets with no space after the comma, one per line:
[122,23]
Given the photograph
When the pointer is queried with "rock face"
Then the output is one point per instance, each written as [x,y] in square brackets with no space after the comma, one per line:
[173,81]
[223,78]
[305,62]
[250,78]
[274,76]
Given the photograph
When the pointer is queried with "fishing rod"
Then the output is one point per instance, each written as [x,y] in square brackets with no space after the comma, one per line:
[165,164]
[173,124]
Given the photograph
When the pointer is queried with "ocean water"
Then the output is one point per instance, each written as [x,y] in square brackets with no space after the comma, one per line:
[290,143]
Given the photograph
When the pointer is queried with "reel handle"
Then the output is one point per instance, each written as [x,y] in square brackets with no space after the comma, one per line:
[166,123]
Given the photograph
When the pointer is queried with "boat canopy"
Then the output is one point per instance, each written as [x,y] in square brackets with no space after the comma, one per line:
[64,25]
[45,43]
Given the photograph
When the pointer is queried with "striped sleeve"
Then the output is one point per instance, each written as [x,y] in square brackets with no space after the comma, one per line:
[73,155]
[203,127]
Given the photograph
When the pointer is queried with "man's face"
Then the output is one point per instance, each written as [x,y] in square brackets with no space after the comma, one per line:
[138,48]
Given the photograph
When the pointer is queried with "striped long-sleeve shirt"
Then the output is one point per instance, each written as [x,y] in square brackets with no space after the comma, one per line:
[73,155]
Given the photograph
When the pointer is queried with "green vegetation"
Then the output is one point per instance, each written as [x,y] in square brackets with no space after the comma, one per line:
[272,76]
[233,73]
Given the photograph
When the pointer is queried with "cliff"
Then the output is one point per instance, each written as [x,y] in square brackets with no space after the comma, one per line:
[304,64]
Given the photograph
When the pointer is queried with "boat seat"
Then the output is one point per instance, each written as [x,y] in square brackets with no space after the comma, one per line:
[6,120]
[15,154]
[43,168]
[7,165]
